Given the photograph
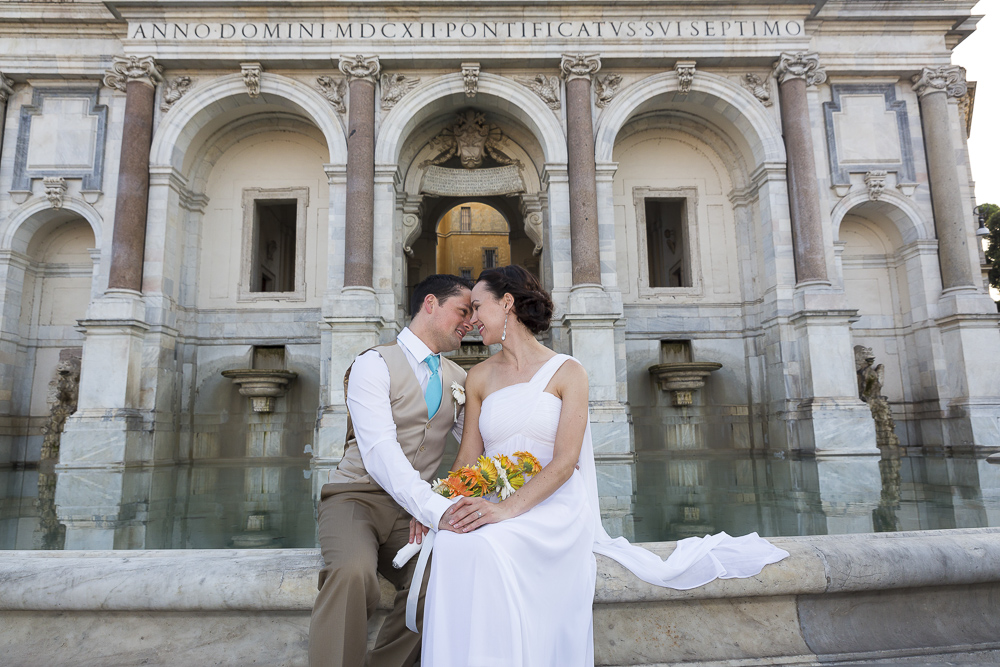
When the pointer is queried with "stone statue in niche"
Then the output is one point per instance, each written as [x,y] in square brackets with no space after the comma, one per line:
[62,397]
[870,380]
[470,137]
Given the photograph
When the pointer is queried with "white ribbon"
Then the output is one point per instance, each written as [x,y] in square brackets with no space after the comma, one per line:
[413,596]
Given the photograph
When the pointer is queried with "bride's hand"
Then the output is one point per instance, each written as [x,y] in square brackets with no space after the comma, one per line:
[470,513]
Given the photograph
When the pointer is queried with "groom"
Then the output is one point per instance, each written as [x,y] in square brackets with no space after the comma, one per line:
[401,407]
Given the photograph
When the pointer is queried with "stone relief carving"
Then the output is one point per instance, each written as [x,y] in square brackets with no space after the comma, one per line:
[360,67]
[394,87]
[251,77]
[55,188]
[470,137]
[802,65]
[6,88]
[966,103]
[411,231]
[470,77]
[579,66]
[949,78]
[173,91]
[685,74]
[546,87]
[61,398]
[605,88]
[759,87]
[870,381]
[132,68]
[334,91]
[875,180]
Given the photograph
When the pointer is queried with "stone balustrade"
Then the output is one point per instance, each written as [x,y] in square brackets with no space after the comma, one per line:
[837,597]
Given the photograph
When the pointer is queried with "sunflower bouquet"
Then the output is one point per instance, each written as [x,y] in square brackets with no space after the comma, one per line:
[497,476]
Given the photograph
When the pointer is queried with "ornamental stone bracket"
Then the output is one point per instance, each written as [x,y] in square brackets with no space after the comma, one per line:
[800,65]
[875,180]
[470,77]
[685,70]
[947,78]
[335,92]
[132,68]
[360,67]
[251,77]
[394,87]
[174,90]
[6,88]
[546,87]
[412,208]
[55,189]
[579,66]
[759,86]
[605,89]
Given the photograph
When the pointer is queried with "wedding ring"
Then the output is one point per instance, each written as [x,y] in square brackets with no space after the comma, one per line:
[479,513]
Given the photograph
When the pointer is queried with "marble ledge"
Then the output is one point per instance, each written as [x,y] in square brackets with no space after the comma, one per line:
[285,580]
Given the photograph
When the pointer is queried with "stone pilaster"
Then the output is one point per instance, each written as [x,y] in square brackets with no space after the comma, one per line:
[361,73]
[796,71]
[6,89]
[137,78]
[951,214]
[578,72]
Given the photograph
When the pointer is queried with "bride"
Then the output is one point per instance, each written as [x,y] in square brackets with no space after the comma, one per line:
[513,585]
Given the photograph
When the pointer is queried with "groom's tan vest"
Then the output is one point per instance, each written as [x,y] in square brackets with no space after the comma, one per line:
[422,439]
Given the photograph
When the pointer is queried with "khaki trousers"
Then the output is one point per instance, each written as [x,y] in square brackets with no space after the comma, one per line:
[360,530]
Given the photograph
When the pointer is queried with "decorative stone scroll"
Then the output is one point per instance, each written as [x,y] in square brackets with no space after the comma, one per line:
[251,77]
[685,74]
[6,88]
[173,91]
[472,182]
[360,67]
[334,91]
[759,87]
[546,87]
[132,68]
[470,77]
[800,65]
[55,188]
[394,87]
[579,66]
[875,180]
[605,89]
[949,78]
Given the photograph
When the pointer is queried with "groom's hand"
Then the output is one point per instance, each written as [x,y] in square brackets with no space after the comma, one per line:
[417,531]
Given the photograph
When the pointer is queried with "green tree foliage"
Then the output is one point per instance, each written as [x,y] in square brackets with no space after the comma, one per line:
[993,249]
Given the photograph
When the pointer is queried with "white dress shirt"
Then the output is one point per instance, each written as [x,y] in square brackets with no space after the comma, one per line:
[375,430]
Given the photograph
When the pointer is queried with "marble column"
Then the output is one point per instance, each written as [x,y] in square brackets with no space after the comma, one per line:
[6,89]
[586,251]
[361,73]
[137,78]
[951,210]
[795,72]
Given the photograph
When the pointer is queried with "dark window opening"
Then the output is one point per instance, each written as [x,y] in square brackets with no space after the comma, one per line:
[466,272]
[274,249]
[489,258]
[465,219]
[665,241]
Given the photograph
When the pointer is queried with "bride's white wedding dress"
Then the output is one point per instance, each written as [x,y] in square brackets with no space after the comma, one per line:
[519,593]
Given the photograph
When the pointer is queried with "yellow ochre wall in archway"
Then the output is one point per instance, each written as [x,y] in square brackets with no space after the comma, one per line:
[458,248]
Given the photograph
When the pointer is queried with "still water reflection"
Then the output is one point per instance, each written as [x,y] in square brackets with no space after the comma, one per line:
[252,505]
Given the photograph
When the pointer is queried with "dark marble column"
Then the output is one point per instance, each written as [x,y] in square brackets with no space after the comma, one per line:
[6,88]
[796,71]
[359,221]
[137,78]
[934,86]
[578,72]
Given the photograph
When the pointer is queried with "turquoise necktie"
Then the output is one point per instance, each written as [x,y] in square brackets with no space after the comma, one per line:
[433,393]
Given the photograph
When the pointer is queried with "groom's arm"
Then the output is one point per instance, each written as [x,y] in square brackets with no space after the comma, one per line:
[375,431]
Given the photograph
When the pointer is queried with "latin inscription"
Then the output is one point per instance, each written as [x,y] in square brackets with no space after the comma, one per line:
[478,30]
[472,182]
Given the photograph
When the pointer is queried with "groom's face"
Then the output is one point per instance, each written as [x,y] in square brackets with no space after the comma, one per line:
[450,320]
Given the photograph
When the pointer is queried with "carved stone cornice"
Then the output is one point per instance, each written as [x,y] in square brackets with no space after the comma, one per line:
[579,66]
[6,88]
[800,65]
[251,77]
[947,78]
[685,74]
[133,68]
[360,67]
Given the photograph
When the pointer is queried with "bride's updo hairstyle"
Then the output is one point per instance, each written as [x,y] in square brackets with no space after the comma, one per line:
[532,304]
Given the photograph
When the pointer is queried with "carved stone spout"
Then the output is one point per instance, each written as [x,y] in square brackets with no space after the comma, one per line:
[261,386]
[683,378]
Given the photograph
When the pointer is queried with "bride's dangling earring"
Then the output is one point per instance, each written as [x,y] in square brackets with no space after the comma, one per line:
[503,336]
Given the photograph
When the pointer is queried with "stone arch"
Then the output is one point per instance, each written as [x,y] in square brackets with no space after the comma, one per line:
[34,215]
[194,113]
[501,93]
[756,133]
[896,208]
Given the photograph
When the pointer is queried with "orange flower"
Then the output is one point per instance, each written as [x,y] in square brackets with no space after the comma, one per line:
[528,463]
[455,487]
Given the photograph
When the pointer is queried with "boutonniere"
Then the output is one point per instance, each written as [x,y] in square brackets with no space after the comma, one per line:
[458,393]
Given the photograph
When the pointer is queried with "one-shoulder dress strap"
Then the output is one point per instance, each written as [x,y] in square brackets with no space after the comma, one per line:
[548,370]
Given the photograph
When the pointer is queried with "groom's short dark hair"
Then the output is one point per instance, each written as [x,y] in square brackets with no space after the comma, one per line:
[441,285]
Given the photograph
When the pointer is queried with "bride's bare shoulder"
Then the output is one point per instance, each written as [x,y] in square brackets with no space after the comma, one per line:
[476,379]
